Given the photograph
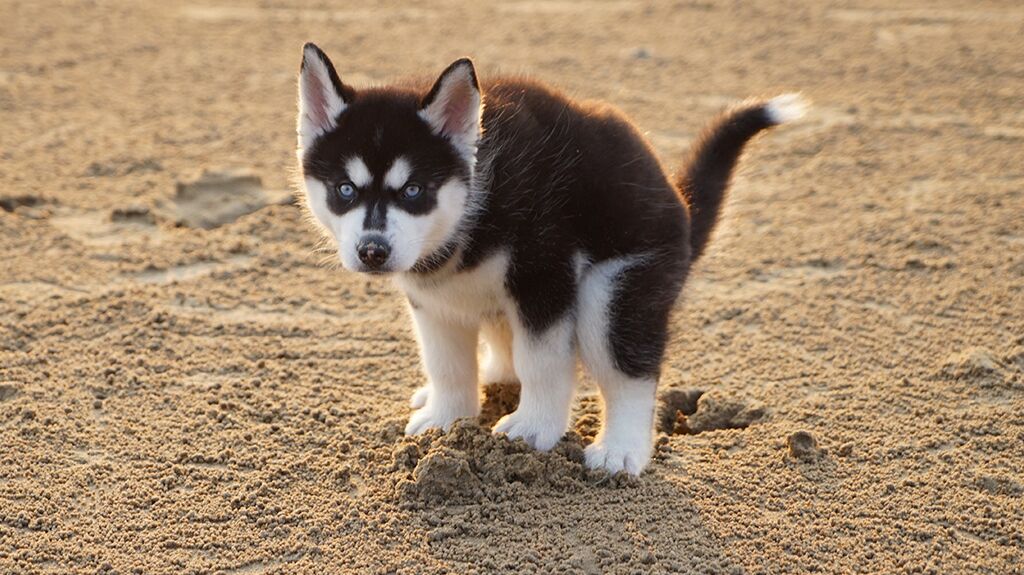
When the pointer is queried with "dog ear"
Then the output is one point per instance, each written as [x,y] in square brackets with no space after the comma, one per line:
[322,96]
[454,105]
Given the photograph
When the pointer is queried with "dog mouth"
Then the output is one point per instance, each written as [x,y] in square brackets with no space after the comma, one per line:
[363,269]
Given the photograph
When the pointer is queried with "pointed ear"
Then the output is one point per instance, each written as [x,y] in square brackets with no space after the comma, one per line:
[454,105]
[322,96]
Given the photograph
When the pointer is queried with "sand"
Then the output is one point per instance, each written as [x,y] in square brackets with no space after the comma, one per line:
[186,388]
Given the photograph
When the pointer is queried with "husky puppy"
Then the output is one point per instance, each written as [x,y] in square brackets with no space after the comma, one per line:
[507,211]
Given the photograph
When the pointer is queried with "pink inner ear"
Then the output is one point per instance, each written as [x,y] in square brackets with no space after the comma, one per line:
[457,109]
[316,101]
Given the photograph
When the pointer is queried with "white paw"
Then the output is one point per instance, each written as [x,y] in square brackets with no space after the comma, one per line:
[419,397]
[434,416]
[539,434]
[614,457]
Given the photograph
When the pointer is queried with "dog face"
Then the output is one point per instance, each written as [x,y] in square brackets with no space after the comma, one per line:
[387,172]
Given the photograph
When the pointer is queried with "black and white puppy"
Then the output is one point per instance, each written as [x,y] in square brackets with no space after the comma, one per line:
[509,212]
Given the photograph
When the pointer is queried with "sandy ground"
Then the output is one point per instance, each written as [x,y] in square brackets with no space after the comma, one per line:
[184,388]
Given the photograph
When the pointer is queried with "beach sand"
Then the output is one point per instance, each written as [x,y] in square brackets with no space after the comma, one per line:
[186,386]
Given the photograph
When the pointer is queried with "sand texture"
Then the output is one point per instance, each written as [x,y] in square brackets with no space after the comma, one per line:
[185,387]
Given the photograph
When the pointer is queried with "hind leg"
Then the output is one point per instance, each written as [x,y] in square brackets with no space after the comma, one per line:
[622,329]
[497,366]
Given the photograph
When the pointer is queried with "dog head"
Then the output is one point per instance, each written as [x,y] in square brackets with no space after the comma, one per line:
[387,172]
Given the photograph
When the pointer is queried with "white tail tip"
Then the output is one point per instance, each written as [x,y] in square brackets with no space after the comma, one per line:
[786,108]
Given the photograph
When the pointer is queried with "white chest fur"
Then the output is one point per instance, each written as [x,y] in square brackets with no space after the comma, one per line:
[462,297]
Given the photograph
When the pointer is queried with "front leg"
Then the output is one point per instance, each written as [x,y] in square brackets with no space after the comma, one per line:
[448,351]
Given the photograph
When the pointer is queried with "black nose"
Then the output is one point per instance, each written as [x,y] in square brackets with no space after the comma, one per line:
[373,251]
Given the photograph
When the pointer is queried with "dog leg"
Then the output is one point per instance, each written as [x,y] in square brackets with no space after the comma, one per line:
[623,311]
[448,351]
[545,364]
[497,364]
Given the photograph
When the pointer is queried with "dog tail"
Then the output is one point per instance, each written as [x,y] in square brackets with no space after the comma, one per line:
[712,158]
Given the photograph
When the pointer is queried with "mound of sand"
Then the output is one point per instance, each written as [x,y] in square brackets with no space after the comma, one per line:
[470,463]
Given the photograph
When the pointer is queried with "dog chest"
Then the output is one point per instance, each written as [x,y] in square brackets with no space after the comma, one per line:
[466,297]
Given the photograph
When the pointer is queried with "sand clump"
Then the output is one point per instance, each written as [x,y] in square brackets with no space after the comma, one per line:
[694,411]
[722,411]
[469,463]
[982,367]
[445,474]
[675,404]
[803,446]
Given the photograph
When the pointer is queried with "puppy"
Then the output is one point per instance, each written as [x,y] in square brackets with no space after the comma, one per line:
[507,211]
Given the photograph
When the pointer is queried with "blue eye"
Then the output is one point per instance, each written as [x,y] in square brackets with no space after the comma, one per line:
[411,192]
[346,191]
